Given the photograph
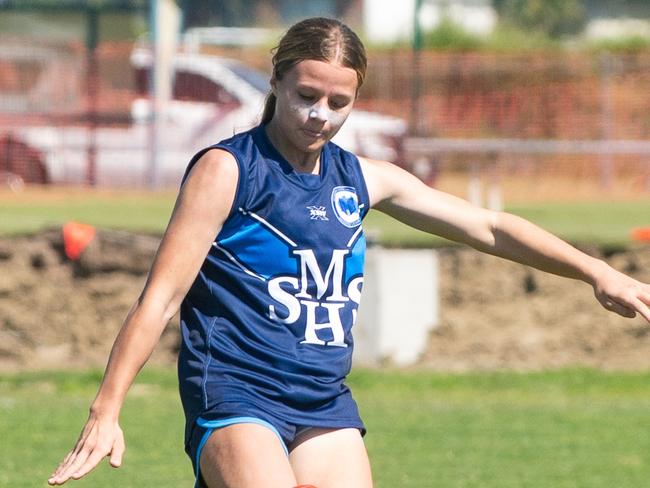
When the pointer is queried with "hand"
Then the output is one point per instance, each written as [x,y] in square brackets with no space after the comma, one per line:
[621,294]
[99,438]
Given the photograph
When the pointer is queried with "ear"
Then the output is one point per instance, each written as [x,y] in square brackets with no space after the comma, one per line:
[274,85]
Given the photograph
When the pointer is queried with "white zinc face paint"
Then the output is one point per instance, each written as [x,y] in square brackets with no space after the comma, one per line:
[313,101]
[320,113]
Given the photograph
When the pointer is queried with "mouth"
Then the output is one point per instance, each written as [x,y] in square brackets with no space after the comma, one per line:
[313,134]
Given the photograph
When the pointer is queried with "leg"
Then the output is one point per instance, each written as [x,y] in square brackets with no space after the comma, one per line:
[245,456]
[331,458]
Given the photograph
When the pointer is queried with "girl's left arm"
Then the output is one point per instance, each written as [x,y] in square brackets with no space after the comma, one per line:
[404,197]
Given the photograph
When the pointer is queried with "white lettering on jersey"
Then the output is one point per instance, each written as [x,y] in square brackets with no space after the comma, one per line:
[334,315]
[285,298]
[303,302]
[309,264]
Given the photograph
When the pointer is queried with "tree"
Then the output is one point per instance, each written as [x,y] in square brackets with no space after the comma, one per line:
[554,18]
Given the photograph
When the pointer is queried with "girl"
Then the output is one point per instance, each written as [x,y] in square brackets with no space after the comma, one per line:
[264,257]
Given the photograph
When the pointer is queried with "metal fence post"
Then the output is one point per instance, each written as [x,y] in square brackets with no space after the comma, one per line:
[607,115]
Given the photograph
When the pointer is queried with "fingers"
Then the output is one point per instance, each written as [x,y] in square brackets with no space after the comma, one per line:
[642,308]
[92,460]
[79,465]
[638,300]
[52,480]
[87,454]
[59,476]
[628,307]
[117,452]
[68,468]
[645,295]
[616,307]
[623,295]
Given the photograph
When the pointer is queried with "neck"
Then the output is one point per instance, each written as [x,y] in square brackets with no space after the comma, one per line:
[302,162]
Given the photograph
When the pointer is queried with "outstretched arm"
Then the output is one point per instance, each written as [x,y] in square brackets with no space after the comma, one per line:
[201,208]
[404,197]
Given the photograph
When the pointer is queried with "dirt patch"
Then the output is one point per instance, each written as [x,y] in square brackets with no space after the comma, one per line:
[494,314]
[60,313]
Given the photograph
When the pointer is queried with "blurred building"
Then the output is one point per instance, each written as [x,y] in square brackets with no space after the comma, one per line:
[387,21]
[264,13]
[617,18]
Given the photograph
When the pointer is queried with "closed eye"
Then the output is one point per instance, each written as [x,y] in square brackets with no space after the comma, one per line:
[306,98]
[339,103]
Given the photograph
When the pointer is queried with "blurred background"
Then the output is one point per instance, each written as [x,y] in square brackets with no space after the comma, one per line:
[493,99]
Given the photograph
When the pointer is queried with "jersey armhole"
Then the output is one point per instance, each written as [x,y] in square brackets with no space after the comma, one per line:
[240,192]
[363,189]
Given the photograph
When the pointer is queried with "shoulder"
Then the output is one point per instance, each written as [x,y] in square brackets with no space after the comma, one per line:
[377,167]
[227,155]
[215,167]
[385,180]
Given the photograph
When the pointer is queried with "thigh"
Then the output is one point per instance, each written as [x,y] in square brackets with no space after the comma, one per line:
[331,458]
[245,456]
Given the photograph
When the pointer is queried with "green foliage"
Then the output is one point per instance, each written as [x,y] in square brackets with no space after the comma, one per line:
[554,18]
[507,37]
[633,44]
[450,36]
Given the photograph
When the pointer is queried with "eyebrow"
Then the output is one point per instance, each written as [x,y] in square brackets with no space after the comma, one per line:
[311,88]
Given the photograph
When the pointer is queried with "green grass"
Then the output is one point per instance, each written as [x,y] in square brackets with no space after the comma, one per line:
[601,223]
[607,223]
[145,212]
[569,428]
[41,415]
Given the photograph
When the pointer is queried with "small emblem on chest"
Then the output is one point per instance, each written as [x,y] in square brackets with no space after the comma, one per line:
[345,203]
[317,213]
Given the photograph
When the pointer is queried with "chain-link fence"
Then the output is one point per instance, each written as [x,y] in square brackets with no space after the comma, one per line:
[548,116]
[73,116]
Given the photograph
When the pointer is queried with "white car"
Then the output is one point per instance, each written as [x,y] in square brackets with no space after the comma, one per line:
[212,98]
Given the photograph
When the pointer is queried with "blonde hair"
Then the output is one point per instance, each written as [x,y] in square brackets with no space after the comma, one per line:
[320,39]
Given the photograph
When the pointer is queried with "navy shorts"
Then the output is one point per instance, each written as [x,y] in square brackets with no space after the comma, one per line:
[232,413]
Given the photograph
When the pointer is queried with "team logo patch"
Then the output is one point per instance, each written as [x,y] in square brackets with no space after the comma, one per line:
[346,205]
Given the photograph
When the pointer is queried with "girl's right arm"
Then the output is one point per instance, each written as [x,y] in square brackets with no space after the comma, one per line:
[203,205]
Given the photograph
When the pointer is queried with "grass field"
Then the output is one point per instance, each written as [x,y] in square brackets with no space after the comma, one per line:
[597,222]
[562,429]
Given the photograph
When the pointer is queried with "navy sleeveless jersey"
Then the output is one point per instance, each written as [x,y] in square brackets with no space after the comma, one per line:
[268,320]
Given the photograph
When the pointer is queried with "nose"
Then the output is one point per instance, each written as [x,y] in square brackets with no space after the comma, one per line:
[318,112]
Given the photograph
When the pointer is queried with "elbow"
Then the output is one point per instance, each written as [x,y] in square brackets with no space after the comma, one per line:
[158,308]
[486,238]
[171,309]
[173,303]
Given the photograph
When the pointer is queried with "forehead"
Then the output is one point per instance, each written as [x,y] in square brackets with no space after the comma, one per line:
[324,75]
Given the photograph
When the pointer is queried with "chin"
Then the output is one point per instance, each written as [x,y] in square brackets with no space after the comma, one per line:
[311,146]
[317,146]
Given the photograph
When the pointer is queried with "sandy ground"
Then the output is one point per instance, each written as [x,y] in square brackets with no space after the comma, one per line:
[55,313]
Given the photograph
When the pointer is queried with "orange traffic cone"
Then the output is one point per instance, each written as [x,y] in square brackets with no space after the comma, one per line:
[76,237]
[641,234]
